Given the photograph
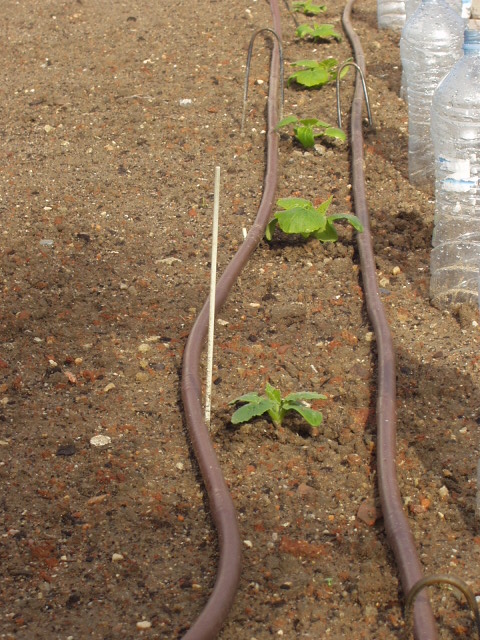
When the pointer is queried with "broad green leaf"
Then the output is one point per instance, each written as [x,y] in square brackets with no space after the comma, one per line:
[270,230]
[300,220]
[323,207]
[305,136]
[313,122]
[308,8]
[334,132]
[310,77]
[304,30]
[274,394]
[314,418]
[330,63]
[353,220]
[247,397]
[288,203]
[327,234]
[310,64]
[286,121]
[325,31]
[344,71]
[251,410]
[305,395]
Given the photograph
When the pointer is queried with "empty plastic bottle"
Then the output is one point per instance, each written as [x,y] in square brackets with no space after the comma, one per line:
[455,129]
[391,14]
[462,7]
[430,44]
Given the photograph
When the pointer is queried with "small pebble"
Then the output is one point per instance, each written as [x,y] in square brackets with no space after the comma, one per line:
[169,260]
[109,387]
[144,624]
[444,492]
[100,440]
[248,544]
[368,513]
[66,450]
[305,490]
[97,499]
[117,557]
[143,348]
[396,271]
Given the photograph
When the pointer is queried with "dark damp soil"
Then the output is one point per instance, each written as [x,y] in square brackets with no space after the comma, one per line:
[113,117]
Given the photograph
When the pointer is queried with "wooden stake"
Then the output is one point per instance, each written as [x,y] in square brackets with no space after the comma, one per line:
[213,284]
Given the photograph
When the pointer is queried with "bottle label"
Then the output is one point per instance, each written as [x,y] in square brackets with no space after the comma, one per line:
[460,178]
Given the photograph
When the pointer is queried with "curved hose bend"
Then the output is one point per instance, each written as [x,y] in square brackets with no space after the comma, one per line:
[396,524]
[211,619]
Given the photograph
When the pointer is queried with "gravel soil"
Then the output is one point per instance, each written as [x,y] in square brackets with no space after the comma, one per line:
[113,117]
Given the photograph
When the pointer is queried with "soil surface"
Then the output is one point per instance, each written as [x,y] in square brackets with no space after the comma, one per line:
[113,117]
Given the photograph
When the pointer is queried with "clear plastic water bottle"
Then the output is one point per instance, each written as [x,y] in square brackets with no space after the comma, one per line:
[455,129]
[391,14]
[430,44]
[462,7]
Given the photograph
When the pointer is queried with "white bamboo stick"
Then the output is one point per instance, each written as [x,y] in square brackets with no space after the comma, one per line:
[213,285]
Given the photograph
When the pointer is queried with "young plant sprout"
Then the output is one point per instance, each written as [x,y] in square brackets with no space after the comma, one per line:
[316,74]
[277,407]
[301,216]
[318,32]
[308,8]
[306,130]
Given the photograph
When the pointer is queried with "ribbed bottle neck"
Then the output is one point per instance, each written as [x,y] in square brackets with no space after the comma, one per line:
[471,42]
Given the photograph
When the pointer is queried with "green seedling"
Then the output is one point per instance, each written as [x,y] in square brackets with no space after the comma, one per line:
[308,8]
[316,73]
[318,32]
[277,407]
[302,217]
[305,131]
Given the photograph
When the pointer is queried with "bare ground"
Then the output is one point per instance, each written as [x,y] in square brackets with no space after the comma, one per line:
[105,209]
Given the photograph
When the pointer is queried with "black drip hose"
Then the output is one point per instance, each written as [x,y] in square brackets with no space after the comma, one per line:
[396,525]
[212,617]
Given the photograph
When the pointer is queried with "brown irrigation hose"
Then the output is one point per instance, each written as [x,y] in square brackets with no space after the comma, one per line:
[211,619]
[396,524]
